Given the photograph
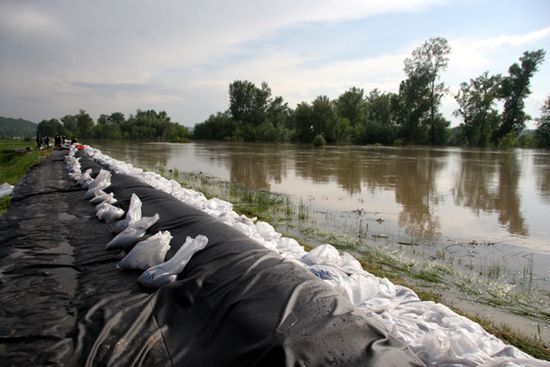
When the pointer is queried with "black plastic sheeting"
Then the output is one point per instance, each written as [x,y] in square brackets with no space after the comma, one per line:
[236,303]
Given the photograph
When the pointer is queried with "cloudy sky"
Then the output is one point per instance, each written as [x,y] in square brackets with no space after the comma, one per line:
[179,56]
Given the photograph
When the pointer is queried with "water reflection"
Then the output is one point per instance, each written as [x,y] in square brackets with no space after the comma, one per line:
[416,190]
[257,166]
[421,191]
[488,182]
[542,172]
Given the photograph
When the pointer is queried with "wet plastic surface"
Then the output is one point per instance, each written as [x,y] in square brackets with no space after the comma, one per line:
[236,303]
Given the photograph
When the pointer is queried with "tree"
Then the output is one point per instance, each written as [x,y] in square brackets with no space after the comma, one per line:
[303,123]
[49,127]
[421,91]
[84,124]
[476,101]
[325,119]
[248,103]
[380,126]
[543,126]
[351,106]
[69,124]
[514,90]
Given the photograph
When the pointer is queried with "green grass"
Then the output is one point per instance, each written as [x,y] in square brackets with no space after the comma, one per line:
[15,165]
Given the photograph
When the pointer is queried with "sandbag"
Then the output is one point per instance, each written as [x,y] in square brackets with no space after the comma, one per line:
[147,253]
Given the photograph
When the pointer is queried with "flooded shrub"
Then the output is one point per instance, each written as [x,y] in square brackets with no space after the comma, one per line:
[319,141]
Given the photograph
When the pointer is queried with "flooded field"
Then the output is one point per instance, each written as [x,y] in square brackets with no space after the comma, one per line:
[475,222]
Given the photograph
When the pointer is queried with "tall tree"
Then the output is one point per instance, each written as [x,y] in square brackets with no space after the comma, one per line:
[49,128]
[248,103]
[351,105]
[514,90]
[476,101]
[423,73]
[84,124]
[69,124]
[543,126]
[325,119]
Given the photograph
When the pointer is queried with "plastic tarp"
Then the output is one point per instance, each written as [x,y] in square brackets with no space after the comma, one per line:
[236,303]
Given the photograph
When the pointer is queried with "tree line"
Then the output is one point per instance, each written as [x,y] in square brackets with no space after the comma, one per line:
[146,125]
[410,116]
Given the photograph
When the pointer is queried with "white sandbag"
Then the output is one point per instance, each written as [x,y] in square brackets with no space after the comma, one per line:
[266,231]
[132,215]
[147,253]
[85,178]
[109,213]
[322,255]
[102,181]
[5,189]
[127,238]
[103,197]
[167,272]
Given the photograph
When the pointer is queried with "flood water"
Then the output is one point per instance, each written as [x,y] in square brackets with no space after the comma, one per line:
[410,194]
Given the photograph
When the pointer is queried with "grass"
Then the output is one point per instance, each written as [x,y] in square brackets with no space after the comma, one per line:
[534,346]
[14,165]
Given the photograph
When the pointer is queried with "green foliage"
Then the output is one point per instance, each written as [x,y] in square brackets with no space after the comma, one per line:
[409,117]
[49,128]
[319,141]
[514,89]
[145,125]
[477,101]
[543,126]
[253,115]
[421,92]
[509,141]
[10,128]
[13,165]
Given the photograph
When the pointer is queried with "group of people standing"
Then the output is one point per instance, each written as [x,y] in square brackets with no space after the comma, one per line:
[44,142]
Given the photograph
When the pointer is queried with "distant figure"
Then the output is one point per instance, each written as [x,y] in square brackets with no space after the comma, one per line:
[38,141]
[62,139]
[57,141]
[47,142]
[73,140]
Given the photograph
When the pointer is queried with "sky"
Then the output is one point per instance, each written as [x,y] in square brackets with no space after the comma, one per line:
[179,56]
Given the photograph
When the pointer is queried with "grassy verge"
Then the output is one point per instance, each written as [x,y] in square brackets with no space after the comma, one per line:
[15,161]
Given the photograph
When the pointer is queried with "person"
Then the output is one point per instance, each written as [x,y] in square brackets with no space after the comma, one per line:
[47,142]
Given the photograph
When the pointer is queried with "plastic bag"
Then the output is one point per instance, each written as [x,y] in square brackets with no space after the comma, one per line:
[127,238]
[147,253]
[102,180]
[167,272]
[85,177]
[132,215]
[103,197]
[109,213]
[324,254]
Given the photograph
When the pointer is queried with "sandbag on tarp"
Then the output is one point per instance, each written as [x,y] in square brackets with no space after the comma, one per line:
[236,303]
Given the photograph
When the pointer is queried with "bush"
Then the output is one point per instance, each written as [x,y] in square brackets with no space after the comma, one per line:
[319,141]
